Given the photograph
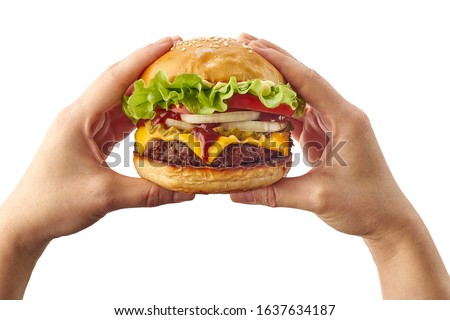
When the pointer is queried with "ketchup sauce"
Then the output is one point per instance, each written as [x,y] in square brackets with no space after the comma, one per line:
[205,133]
[162,116]
[207,136]
[272,117]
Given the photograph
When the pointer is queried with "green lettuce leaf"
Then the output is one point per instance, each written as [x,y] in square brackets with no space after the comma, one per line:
[201,97]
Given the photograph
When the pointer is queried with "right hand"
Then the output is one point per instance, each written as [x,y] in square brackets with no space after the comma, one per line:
[355,192]
[350,186]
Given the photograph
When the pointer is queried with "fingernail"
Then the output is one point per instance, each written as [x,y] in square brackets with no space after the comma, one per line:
[176,38]
[257,44]
[244,197]
[163,40]
[180,197]
[248,36]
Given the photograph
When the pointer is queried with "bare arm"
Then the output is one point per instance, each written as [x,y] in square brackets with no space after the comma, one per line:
[63,192]
[409,264]
[16,261]
[352,190]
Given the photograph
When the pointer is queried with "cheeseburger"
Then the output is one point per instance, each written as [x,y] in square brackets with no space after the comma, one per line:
[212,116]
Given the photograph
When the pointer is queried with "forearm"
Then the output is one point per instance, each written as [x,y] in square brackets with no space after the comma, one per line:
[409,264]
[16,267]
[17,261]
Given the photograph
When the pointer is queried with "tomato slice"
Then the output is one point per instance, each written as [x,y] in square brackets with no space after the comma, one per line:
[247,101]
[179,109]
[162,115]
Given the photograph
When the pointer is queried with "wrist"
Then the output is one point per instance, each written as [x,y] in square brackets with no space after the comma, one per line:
[19,252]
[395,237]
[398,224]
[18,227]
[408,262]
[16,266]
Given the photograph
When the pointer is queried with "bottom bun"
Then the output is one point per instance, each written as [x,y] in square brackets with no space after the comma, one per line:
[207,179]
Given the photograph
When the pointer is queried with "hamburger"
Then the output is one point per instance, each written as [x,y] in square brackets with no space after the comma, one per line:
[212,116]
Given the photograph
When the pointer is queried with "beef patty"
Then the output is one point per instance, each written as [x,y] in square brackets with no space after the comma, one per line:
[177,153]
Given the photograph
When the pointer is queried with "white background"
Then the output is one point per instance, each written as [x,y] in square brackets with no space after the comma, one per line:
[391,58]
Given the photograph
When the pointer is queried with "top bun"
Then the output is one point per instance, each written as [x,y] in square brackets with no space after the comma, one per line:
[215,60]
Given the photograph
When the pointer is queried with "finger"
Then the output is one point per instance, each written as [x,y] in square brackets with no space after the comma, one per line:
[247,38]
[109,87]
[298,128]
[131,192]
[120,123]
[275,47]
[106,140]
[122,128]
[116,111]
[317,92]
[112,127]
[176,39]
[297,192]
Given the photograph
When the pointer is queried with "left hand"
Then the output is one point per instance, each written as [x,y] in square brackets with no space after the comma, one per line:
[68,187]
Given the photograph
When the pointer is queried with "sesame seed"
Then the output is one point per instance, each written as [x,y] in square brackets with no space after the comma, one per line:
[199,45]
[183,49]
[251,51]
[225,43]
[216,46]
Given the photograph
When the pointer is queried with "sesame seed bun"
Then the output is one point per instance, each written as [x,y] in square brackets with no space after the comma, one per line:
[214,60]
[209,180]
[200,56]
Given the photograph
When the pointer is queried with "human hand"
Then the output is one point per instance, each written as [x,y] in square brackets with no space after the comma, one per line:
[68,187]
[350,186]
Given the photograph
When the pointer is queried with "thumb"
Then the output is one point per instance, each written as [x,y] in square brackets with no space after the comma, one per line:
[288,192]
[131,192]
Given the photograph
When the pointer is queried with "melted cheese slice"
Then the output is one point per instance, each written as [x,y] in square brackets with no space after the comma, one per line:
[278,141]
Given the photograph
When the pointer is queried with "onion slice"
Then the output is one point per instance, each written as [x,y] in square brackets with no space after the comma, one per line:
[220,117]
[257,126]
[179,124]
